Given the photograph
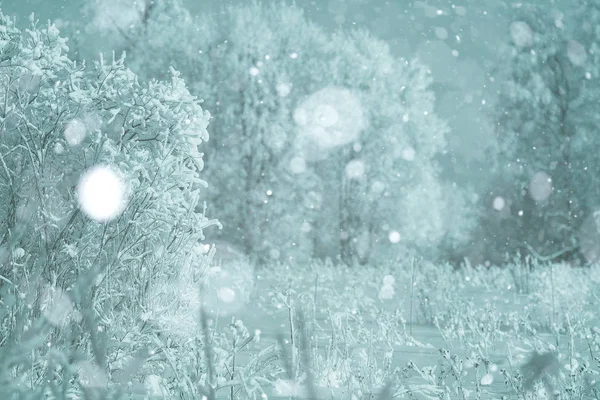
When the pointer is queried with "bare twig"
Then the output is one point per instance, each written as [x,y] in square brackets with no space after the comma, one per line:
[551,256]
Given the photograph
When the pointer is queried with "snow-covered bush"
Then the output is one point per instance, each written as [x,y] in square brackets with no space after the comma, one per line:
[99,187]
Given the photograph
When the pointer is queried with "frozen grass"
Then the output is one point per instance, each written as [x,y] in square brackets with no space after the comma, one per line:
[414,330]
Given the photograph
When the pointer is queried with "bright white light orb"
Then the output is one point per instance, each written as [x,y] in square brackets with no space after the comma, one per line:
[75,132]
[101,193]
[498,203]
[394,237]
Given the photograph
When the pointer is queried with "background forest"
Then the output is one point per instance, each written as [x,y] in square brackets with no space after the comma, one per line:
[425,144]
[167,164]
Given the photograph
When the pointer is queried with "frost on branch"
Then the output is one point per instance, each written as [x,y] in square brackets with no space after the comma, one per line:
[86,235]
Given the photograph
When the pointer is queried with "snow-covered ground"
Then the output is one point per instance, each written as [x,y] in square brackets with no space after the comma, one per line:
[476,333]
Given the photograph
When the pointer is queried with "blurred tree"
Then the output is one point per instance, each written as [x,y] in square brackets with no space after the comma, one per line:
[546,125]
[321,144]
[398,187]
[254,63]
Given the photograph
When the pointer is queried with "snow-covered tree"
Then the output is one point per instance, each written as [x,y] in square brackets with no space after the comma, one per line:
[303,109]
[391,190]
[249,65]
[254,64]
[389,173]
[583,52]
[99,187]
[147,30]
[321,144]
[546,126]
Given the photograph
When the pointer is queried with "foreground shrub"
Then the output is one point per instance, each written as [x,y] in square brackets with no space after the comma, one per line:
[99,189]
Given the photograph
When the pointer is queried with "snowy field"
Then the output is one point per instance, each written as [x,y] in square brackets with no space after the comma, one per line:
[431,333]
[404,330]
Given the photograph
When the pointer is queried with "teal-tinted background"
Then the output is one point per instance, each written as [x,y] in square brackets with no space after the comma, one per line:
[464,82]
